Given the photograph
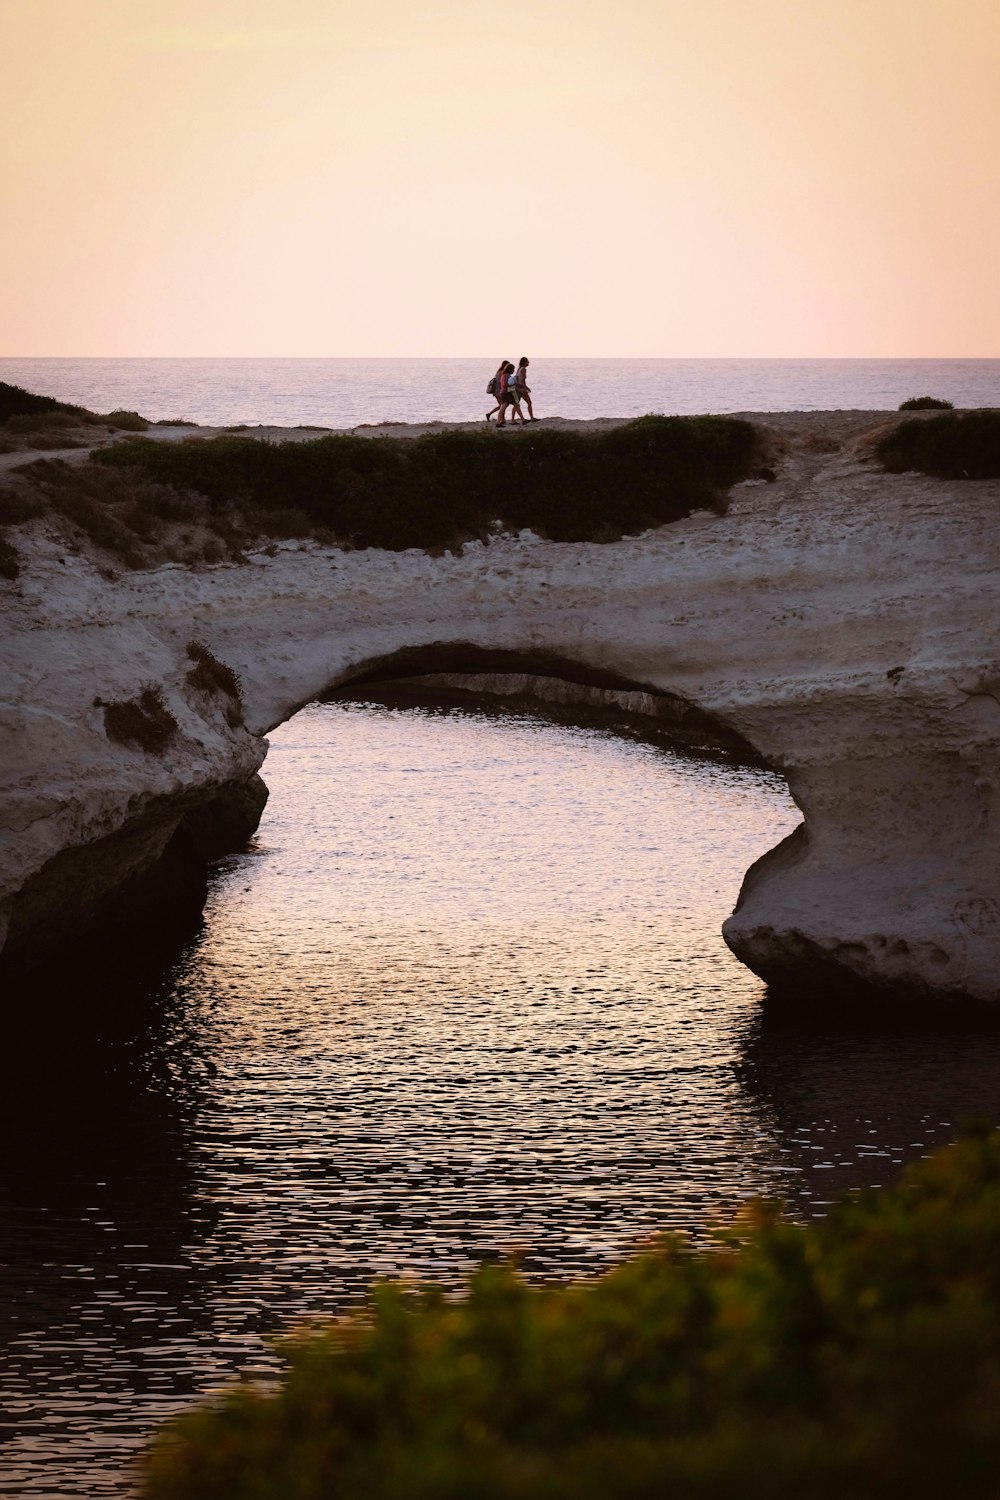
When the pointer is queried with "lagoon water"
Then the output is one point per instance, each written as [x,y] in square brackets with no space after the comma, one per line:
[346,392]
[464,996]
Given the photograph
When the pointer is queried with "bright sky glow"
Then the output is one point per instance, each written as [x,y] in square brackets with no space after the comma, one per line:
[646,177]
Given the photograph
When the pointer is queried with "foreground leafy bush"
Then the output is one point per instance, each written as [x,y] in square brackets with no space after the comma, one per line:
[434,490]
[956,445]
[854,1359]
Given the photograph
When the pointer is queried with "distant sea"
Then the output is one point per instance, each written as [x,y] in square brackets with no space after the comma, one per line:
[346,392]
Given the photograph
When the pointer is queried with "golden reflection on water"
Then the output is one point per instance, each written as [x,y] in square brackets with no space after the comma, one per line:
[473,985]
[466,993]
[459,832]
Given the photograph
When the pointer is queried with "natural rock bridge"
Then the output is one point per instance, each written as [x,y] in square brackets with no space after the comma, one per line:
[841,622]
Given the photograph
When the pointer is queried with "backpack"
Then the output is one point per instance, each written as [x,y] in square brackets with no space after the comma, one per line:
[493,389]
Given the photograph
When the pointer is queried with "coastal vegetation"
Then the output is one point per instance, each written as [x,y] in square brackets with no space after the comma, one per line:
[47,423]
[210,675]
[10,563]
[120,420]
[926,403]
[145,721]
[132,520]
[15,510]
[857,1356]
[444,488]
[17,402]
[954,445]
[206,500]
[107,513]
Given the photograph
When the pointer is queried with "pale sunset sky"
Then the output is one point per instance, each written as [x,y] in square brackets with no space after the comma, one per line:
[636,177]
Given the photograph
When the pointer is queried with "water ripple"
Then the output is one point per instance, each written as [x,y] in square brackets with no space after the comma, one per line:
[465,997]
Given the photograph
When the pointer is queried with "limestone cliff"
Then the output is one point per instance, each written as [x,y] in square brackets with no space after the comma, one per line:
[840,620]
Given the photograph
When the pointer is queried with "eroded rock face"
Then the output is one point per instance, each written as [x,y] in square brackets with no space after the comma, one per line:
[842,621]
[892,882]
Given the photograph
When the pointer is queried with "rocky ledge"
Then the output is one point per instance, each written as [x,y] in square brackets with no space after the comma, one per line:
[839,621]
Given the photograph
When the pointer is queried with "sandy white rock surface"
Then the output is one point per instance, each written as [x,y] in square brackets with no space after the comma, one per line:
[843,620]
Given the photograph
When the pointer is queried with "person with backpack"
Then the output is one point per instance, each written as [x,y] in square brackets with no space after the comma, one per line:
[523,388]
[496,387]
[510,396]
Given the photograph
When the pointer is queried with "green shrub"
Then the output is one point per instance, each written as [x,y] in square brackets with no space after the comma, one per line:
[16,508]
[125,421]
[449,486]
[10,566]
[856,1359]
[145,721]
[213,550]
[15,402]
[165,503]
[280,521]
[116,508]
[43,421]
[138,519]
[104,526]
[956,445]
[210,675]
[926,403]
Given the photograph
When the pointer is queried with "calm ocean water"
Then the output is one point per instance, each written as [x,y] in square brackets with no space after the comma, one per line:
[423,1025]
[346,392]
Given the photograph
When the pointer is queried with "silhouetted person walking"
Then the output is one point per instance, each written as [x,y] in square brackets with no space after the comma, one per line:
[524,389]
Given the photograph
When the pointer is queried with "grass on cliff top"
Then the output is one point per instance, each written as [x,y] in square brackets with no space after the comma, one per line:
[137,522]
[858,1357]
[22,413]
[17,402]
[954,445]
[446,487]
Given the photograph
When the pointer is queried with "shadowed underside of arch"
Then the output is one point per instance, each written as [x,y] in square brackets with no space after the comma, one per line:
[677,720]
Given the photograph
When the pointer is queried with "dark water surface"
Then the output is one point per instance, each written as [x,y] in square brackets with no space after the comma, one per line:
[466,993]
